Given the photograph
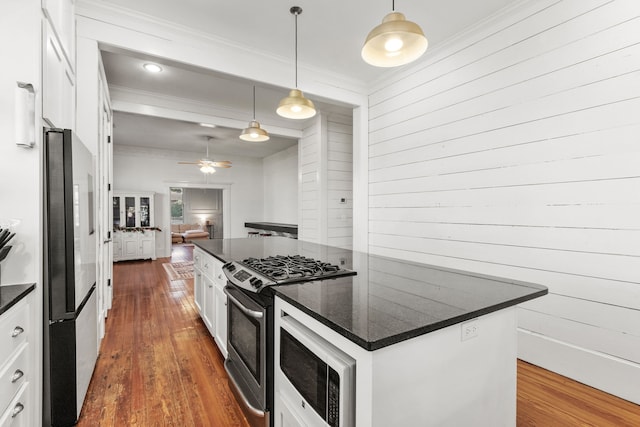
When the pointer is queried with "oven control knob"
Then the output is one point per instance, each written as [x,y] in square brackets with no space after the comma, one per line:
[257,283]
[232,268]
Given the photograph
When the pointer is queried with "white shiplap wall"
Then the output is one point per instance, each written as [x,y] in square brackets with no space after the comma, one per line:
[311,222]
[340,180]
[325,164]
[515,151]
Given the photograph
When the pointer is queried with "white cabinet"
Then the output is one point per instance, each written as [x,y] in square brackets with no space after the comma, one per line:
[60,14]
[133,210]
[209,310]
[58,90]
[134,234]
[209,296]
[16,371]
[197,290]
[221,319]
[134,244]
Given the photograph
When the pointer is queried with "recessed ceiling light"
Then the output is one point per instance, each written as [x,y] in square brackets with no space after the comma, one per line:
[152,68]
[207,125]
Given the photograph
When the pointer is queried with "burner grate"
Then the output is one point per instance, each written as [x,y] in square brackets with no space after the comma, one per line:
[287,267]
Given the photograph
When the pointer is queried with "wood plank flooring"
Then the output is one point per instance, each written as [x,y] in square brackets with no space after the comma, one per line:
[158,366]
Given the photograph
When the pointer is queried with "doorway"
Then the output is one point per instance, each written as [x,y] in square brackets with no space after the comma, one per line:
[197,213]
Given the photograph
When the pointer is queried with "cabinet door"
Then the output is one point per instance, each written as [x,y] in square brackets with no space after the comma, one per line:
[130,211]
[146,247]
[221,320]
[145,212]
[61,17]
[58,91]
[130,246]
[117,204]
[209,304]
[197,290]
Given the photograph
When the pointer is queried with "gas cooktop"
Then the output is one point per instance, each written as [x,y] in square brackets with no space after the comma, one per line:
[255,274]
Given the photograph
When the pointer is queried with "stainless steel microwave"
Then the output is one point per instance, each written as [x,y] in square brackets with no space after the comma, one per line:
[319,377]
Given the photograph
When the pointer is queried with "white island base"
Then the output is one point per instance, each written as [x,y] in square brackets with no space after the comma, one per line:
[433,380]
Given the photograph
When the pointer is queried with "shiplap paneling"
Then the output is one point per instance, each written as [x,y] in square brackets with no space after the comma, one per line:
[340,180]
[515,152]
[309,184]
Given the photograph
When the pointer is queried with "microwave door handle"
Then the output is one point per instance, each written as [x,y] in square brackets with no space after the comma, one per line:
[245,310]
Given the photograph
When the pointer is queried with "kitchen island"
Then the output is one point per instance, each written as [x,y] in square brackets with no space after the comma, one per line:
[433,346]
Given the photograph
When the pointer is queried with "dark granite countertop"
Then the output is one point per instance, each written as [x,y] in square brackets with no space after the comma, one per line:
[389,300]
[11,294]
[273,226]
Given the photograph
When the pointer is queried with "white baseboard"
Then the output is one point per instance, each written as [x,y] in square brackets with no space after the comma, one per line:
[604,372]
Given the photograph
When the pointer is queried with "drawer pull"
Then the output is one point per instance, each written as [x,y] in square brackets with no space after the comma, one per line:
[17,331]
[17,409]
[206,266]
[17,375]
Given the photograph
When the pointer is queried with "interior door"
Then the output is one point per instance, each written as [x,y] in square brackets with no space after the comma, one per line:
[105,293]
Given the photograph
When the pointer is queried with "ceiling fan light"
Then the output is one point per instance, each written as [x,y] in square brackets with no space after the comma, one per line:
[254,133]
[207,169]
[395,42]
[296,106]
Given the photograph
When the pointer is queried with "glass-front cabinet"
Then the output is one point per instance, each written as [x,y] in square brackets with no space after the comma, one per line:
[134,231]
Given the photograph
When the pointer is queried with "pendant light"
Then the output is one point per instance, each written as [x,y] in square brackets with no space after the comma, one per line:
[394,42]
[254,133]
[296,106]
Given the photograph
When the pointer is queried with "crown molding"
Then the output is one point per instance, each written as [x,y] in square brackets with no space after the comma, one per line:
[171,32]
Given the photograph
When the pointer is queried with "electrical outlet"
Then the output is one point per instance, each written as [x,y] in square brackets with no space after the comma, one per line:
[343,200]
[470,329]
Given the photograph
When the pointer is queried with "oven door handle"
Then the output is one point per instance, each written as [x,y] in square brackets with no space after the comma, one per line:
[245,310]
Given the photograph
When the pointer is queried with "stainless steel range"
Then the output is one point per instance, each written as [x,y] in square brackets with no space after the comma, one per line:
[250,323]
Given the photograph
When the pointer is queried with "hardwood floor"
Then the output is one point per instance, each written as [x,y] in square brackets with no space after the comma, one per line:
[158,366]
[549,399]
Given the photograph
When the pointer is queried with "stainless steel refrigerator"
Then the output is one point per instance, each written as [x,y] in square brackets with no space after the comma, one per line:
[70,308]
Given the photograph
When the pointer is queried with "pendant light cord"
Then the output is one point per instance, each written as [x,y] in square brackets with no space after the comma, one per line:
[254,103]
[393,5]
[296,47]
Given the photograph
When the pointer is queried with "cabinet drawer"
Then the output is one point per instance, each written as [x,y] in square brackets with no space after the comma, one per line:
[17,413]
[14,329]
[218,274]
[197,259]
[13,375]
[208,266]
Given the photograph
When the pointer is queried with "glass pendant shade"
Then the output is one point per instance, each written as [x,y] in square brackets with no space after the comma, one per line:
[394,42]
[254,133]
[296,106]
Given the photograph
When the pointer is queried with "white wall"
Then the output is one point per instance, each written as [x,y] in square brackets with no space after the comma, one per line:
[156,170]
[20,179]
[514,152]
[202,205]
[280,187]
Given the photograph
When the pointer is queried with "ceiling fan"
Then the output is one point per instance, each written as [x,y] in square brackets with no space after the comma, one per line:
[207,166]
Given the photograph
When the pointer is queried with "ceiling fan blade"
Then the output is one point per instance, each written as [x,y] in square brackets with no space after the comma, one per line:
[223,165]
[188,163]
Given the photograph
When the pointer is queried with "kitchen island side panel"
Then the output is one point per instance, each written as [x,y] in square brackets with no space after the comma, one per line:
[436,379]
